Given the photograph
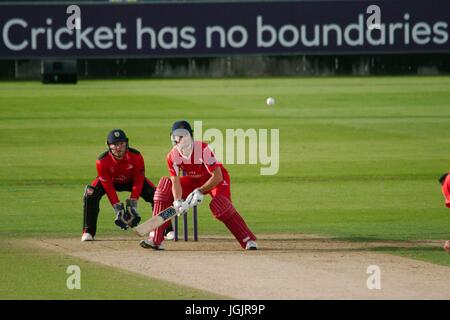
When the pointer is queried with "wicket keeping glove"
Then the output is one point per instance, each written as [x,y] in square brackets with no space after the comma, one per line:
[121,220]
[180,207]
[195,198]
[133,218]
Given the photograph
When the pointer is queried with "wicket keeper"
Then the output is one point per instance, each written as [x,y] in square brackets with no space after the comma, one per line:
[120,168]
[204,175]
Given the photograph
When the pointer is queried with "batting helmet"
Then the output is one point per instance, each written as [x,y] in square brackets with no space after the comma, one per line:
[180,125]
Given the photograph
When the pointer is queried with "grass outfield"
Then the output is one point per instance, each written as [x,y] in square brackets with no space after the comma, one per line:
[359,157]
[42,274]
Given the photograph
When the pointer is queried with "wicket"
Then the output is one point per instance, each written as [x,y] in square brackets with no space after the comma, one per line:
[185,225]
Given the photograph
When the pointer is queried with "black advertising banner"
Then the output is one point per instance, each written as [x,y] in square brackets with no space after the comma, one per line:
[223,28]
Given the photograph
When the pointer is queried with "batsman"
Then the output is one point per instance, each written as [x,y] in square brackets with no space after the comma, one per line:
[120,168]
[203,175]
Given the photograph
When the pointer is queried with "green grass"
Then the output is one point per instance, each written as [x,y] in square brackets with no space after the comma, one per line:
[427,254]
[359,157]
[41,274]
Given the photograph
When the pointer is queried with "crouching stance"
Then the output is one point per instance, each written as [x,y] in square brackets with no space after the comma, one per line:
[119,169]
[203,175]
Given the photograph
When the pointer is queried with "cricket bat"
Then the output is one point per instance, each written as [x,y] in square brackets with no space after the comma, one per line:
[154,222]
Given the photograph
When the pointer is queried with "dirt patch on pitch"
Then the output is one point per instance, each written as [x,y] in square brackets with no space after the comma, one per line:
[286,267]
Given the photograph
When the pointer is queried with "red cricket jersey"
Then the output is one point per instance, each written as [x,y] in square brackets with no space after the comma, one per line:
[199,165]
[112,171]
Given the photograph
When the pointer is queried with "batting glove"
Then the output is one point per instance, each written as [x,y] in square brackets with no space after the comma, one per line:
[195,198]
[180,207]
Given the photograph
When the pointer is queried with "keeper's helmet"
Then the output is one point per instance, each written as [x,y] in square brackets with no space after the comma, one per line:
[116,135]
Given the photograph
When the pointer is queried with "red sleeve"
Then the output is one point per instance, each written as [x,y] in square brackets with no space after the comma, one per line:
[209,160]
[173,168]
[107,183]
[139,176]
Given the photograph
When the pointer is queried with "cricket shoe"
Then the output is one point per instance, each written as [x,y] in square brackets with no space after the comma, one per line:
[168,236]
[447,246]
[148,244]
[87,237]
[251,245]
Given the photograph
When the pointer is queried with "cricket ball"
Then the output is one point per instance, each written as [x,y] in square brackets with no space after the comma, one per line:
[270,101]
